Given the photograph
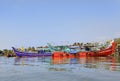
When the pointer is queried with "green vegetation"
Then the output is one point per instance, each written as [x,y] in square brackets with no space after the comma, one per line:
[8,53]
[117,53]
[117,40]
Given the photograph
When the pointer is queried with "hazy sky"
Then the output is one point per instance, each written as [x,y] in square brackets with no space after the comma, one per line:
[37,22]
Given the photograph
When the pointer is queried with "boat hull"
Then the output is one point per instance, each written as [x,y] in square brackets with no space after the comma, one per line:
[33,54]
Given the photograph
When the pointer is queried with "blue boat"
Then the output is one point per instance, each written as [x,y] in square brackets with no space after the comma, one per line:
[31,54]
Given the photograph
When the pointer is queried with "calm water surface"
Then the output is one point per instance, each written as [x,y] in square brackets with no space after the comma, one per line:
[49,69]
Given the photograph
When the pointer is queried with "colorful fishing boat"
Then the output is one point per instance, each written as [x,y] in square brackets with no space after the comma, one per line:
[31,54]
[104,52]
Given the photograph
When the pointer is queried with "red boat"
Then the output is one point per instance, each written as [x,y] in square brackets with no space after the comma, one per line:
[105,52]
[101,53]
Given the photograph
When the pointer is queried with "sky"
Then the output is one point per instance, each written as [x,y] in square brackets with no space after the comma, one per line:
[25,23]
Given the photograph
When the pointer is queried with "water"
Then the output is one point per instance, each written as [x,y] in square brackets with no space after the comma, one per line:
[49,69]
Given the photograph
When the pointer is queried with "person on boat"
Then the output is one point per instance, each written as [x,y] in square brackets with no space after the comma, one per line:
[41,51]
[23,49]
[87,48]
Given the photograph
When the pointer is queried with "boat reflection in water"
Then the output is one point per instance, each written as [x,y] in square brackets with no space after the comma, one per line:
[70,64]
[101,63]
[31,61]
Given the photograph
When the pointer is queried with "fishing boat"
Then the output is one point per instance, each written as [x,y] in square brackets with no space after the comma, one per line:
[31,54]
[104,52]
[99,53]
